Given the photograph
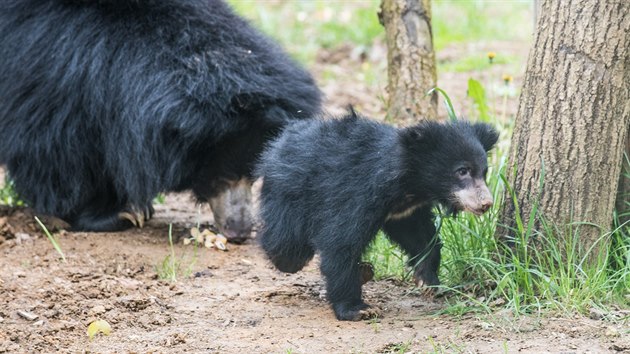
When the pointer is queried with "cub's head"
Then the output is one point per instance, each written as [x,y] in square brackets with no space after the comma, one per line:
[447,163]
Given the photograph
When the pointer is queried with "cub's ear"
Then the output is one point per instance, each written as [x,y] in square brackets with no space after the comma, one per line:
[351,112]
[486,134]
[422,136]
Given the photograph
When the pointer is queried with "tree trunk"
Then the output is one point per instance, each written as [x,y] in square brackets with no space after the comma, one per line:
[573,115]
[411,59]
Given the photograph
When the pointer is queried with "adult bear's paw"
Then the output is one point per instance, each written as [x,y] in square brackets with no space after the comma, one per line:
[137,216]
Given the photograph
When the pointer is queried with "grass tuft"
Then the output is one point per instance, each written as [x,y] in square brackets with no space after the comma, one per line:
[8,196]
[172,266]
[53,240]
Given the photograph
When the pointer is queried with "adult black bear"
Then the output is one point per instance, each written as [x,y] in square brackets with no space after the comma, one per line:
[104,104]
[330,185]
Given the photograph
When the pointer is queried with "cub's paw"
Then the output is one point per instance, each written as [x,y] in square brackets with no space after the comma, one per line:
[370,312]
[355,312]
[427,282]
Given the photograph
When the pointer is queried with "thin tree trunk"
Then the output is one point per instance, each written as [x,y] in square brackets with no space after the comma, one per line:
[573,115]
[623,191]
[411,59]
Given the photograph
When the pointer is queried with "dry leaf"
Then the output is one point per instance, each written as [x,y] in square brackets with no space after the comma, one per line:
[208,243]
[98,326]
[194,232]
[220,245]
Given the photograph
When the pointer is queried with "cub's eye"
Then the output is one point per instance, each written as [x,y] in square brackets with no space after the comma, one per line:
[462,172]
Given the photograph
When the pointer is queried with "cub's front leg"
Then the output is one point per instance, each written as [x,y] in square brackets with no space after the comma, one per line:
[417,236]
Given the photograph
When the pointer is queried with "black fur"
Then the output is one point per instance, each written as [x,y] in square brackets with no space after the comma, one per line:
[330,185]
[104,104]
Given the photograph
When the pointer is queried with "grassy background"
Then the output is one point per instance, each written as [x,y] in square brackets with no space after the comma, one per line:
[342,42]
[306,26]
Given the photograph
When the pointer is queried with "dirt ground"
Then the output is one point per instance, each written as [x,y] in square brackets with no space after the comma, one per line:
[234,301]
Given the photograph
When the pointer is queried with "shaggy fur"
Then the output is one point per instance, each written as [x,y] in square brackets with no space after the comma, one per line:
[104,104]
[330,185]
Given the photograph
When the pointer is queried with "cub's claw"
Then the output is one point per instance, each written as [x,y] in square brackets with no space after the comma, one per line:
[428,286]
[356,312]
[370,313]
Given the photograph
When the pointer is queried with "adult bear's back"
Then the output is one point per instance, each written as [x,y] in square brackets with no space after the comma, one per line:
[134,97]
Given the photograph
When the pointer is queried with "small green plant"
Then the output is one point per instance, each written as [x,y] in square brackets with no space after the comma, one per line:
[398,348]
[450,347]
[8,196]
[478,94]
[447,103]
[462,304]
[53,240]
[403,347]
[375,323]
[171,266]
[160,198]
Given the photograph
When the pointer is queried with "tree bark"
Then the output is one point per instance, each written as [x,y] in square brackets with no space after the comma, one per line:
[411,59]
[573,116]
[623,191]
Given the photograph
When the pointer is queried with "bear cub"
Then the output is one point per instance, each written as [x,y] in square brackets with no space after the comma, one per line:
[330,185]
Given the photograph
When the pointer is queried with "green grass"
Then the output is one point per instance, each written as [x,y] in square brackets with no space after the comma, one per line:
[448,347]
[397,348]
[387,258]
[546,270]
[159,199]
[8,196]
[53,240]
[475,20]
[173,267]
[476,61]
[304,27]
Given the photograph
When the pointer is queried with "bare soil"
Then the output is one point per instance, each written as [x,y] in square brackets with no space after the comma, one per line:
[230,302]
[234,301]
